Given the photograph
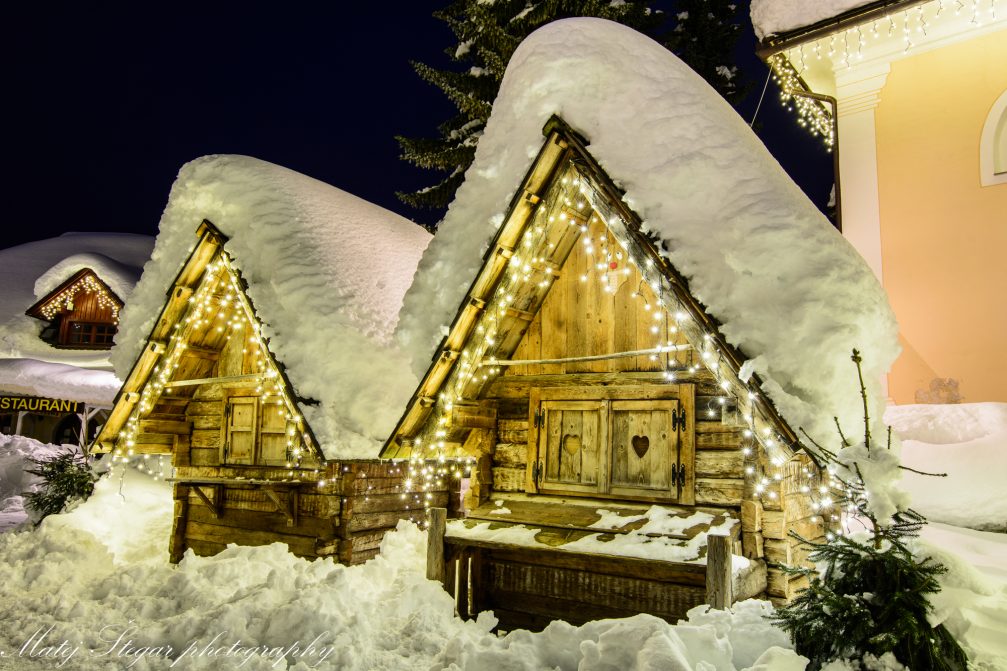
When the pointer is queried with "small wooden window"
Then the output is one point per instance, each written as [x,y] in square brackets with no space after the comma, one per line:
[87,334]
[638,443]
[254,432]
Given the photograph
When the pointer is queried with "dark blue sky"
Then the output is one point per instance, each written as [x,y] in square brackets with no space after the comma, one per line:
[105,102]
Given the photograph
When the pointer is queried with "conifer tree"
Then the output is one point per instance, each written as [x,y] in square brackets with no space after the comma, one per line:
[701,32]
[872,596]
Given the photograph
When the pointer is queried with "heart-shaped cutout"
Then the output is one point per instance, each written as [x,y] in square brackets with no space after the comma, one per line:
[571,443]
[640,445]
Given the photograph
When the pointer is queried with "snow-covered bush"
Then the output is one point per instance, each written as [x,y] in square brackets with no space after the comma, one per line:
[66,477]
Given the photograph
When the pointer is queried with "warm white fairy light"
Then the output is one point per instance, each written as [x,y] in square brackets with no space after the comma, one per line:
[88,284]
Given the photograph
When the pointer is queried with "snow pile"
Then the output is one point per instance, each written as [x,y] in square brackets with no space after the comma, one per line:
[326,272]
[101,572]
[972,603]
[770,17]
[29,271]
[58,380]
[789,290]
[14,481]
[969,443]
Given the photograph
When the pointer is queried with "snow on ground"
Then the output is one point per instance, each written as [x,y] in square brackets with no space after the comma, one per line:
[770,17]
[100,573]
[326,272]
[99,577]
[967,441]
[756,251]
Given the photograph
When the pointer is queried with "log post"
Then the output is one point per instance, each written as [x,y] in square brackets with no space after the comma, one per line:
[718,571]
[436,522]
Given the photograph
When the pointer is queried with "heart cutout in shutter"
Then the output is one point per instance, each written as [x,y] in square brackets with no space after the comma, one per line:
[640,445]
[571,443]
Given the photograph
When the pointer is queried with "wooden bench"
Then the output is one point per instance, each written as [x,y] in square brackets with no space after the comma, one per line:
[529,584]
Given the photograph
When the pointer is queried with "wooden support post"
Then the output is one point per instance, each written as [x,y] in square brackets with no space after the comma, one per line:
[176,546]
[464,577]
[437,519]
[718,571]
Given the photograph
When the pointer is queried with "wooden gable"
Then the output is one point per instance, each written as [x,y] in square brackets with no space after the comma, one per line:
[571,284]
[206,388]
[83,312]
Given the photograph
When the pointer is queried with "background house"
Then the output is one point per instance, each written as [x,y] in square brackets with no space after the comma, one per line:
[58,318]
[921,91]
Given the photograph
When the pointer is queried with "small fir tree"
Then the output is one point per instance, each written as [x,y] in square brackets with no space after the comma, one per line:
[66,477]
[873,596]
[702,33]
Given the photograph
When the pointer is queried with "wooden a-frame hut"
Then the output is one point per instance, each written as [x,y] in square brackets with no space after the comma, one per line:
[611,435]
[209,391]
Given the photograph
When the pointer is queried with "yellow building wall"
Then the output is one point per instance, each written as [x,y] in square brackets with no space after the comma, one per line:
[943,236]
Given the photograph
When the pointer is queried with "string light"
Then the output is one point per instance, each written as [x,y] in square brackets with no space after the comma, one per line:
[88,284]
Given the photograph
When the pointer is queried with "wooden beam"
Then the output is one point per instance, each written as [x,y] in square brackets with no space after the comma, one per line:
[719,571]
[436,524]
[251,377]
[165,426]
[215,504]
[593,357]
[208,353]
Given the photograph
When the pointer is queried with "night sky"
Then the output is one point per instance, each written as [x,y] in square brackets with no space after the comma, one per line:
[105,103]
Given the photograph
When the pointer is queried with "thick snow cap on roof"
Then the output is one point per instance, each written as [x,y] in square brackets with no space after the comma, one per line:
[771,17]
[791,293]
[57,380]
[326,272]
[119,277]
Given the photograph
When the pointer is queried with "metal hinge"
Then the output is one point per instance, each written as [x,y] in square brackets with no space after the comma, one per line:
[539,419]
[678,420]
[536,471]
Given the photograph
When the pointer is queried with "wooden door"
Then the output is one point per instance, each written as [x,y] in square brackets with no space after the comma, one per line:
[573,441]
[239,443]
[644,449]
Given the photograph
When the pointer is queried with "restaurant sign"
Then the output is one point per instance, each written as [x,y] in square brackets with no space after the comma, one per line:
[42,406]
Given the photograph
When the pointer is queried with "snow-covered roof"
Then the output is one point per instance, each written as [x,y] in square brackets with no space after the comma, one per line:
[30,271]
[326,272]
[772,17]
[789,291]
[58,380]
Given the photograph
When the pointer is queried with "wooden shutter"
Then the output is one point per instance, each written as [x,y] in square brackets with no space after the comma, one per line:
[239,447]
[273,434]
[645,449]
[573,439]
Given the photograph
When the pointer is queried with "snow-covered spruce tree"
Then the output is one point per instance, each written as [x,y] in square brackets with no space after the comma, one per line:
[701,32]
[872,597]
[66,477]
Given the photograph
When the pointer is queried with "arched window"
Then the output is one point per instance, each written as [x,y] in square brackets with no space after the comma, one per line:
[993,145]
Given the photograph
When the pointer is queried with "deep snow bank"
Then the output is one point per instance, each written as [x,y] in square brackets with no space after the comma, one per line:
[967,441]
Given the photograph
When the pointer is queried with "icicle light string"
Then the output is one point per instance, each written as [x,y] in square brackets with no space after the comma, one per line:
[788,67]
[88,285]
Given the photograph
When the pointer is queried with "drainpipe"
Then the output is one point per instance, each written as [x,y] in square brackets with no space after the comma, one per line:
[829,100]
